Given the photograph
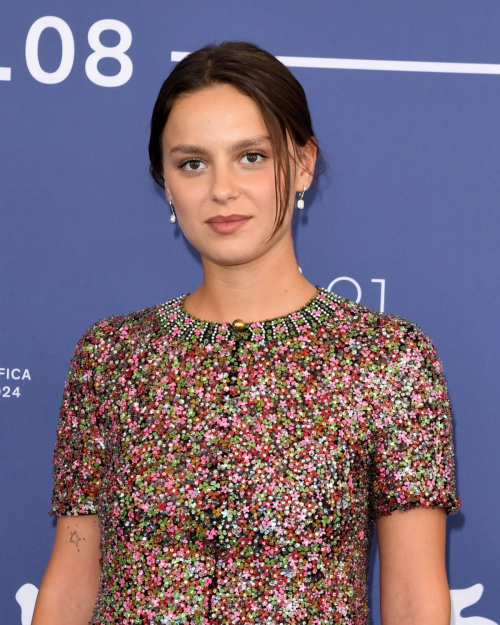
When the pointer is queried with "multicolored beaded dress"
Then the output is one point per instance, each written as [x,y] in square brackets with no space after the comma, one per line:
[237,470]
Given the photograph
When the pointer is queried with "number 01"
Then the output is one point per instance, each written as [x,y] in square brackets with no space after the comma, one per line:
[68,52]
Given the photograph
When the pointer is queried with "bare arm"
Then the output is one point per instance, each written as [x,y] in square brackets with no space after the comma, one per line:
[69,586]
[413,582]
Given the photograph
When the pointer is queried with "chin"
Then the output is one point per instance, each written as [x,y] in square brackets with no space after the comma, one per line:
[238,258]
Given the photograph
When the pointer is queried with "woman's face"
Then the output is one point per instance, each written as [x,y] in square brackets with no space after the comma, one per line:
[208,174]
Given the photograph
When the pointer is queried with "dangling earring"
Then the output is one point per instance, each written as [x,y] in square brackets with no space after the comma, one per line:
[173,218]
[300,201]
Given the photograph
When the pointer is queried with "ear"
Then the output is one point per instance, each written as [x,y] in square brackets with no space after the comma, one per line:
[305,174]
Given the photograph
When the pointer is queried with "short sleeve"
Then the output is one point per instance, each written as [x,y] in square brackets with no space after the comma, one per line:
[80,448]
[413,461]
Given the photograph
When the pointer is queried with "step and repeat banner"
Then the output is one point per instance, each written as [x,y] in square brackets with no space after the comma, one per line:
[405,101]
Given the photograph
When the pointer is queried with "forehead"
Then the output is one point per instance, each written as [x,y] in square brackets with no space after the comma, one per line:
[216,113]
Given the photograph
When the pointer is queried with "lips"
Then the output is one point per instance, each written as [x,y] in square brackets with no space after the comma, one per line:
[222,219]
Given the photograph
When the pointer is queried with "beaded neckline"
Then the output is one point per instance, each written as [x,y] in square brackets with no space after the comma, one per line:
[181,324]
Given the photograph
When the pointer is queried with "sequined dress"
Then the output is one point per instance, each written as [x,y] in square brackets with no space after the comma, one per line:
[237,475]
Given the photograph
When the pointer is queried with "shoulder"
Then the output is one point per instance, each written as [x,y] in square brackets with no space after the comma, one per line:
[380,332]
[393,356]
[113,335]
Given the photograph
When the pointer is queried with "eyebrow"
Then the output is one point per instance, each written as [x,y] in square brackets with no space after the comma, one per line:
[183,148]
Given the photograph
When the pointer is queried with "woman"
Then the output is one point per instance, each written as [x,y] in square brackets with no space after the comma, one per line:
[225,456]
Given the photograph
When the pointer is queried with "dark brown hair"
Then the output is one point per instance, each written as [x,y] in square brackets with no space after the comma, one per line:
[259,75]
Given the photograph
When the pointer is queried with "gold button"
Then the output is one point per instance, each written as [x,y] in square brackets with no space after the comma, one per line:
[238,324]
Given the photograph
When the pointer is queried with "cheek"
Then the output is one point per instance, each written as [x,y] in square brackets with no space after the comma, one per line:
[189,190]
[262,192]
[189,200]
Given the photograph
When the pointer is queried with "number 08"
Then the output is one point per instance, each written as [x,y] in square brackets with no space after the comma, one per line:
[68,52]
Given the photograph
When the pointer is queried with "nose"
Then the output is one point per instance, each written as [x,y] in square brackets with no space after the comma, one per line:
[223,185]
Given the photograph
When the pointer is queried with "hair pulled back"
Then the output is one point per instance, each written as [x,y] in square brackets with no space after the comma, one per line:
[257,74]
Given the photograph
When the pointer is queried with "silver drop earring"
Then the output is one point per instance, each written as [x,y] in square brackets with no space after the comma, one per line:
[173,218]
[300,201]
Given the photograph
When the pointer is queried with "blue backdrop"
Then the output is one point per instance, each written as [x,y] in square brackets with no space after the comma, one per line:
[406,220]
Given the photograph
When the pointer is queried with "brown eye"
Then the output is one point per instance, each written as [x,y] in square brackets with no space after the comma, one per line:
[252,155]
[192,160]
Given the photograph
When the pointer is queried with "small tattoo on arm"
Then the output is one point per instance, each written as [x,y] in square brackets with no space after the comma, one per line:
[74,538]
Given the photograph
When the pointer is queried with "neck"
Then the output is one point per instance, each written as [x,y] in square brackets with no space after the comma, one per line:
[265,287]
